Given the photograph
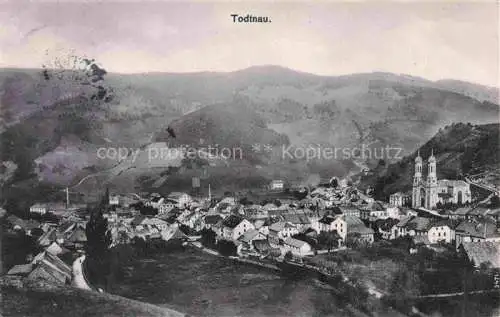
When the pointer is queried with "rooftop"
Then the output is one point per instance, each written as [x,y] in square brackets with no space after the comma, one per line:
[483,252]
[294,242]
[232,221]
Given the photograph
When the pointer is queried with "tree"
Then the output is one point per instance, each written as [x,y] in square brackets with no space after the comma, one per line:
[226,247]
[288,256]
[404,287]
[353,240]
[98,242]
[334,183]
[83,74]
[208,237]
[148,211]
[328,239]
[244,201]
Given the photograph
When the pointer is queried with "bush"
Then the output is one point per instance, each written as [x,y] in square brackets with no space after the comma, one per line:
[226,248]
[208,238]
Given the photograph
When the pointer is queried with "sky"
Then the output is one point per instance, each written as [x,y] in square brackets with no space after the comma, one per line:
[433,40]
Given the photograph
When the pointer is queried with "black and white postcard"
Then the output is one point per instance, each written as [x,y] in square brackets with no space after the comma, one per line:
[249,158]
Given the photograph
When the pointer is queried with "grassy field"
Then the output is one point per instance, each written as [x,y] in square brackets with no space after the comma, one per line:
[204,285]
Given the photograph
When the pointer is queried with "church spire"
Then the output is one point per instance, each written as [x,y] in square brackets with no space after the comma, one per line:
[432,158]
[418,158]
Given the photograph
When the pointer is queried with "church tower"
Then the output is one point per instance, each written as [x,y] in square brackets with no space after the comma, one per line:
[417,180]
[432,198]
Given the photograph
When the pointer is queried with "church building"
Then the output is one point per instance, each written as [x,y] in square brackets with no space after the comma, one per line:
[427,192]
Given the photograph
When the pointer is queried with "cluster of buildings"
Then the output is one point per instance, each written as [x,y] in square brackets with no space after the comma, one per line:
[60,243]
[285,225]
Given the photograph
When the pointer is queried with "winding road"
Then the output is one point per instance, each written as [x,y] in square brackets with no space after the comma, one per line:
[79,280]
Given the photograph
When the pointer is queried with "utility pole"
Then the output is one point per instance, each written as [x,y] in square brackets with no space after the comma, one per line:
[67,197]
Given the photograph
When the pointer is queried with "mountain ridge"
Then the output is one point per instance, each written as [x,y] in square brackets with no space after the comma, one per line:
[346,111]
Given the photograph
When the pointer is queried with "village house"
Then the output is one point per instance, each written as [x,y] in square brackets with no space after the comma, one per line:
[155,222]
[195,221]
[476,231]
[305,203]
[57,209]
[218,228]
[425,230]
[356,226]
[188,218]
[440,231]
[237,209]
[269,207]
[393,212]
[145,226]
[246,239]
[43,208]
[297,247]
[459,214]
[418,226]
[155,202]
[277,185]
[112,217]
[50,268]
[401,229]
[77,239]
[56,249]
[265,249]
[478,212]
[299,220]
[229,200]
[182,199]
[234,226]
[19,224]
[281,230]
[114,200]
[223,208]
[494,214]
[406,211]
[166,206]
[319,202]
[483,252]
[50,236]
[255,212]
[262,225]
[350,211]
[21,270]
[210,220]
[385,227]
[292,203]
[334,223]
[373,210]
[399,199]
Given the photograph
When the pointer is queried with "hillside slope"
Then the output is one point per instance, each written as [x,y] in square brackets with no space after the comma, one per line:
[42,301]
[46,122]
[460,149]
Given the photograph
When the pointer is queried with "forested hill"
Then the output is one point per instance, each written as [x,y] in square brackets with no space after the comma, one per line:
[460,149]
